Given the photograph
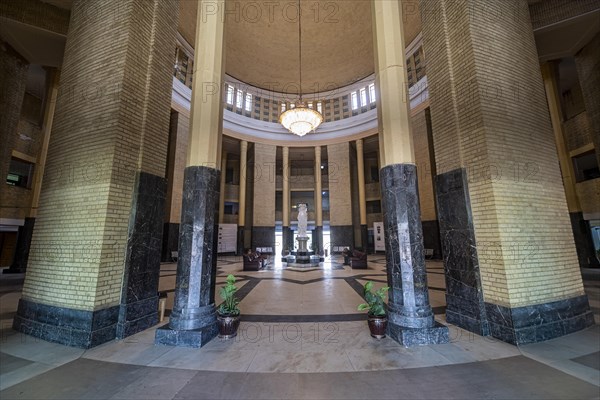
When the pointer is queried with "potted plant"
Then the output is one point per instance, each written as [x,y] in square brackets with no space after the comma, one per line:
[228,313]
[377,317]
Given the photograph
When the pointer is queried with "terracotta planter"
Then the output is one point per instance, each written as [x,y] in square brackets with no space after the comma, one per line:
[377,326]
[228,326]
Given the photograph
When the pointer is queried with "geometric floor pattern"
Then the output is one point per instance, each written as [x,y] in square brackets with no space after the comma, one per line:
[301,337]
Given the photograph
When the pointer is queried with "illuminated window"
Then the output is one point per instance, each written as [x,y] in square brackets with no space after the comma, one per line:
[248,102]
[372,93]
[229,94]
[282,107]
[354,97]
[363,97]
[292,105]
[320,107]
[239,99]
[310,105]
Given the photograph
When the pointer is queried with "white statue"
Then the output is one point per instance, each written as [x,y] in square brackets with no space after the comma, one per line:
[302,220]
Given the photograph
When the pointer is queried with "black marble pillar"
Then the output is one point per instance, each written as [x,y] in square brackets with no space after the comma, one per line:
[21,257]
[76,328]
[193,319]
[342,235]
[286,238]
[584,243]
[539,322]
[263,236]
[241,236]
[464,294]
[317,239]
[170,241]
[411,319]
[364,238]
[139,297]
[431,237]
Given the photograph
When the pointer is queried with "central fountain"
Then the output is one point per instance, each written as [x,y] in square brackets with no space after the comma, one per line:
[303,257]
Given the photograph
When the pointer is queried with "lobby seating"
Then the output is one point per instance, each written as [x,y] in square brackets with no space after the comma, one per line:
[254,261]
[358,260]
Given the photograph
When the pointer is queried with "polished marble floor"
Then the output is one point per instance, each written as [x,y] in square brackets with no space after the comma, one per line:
[301,337]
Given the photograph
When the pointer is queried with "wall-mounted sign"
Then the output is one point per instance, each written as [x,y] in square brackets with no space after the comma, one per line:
[378,236]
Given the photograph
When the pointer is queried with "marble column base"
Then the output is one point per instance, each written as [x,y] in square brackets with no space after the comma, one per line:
[431,238]
[19,264]
[409,337]
[464,293]
[76,328]
[193,319]
[411,318]
[241,248]
[342,235]
[286,232]
[139,298]
[185,338]
[170,240]
[318,239]
[263,236]
[540,322]
[364,238]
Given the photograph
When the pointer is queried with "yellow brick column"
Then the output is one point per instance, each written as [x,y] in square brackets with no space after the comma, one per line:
[411,319]
[94,262]
[318,233]
[512,268]
[193,320]
[362,202]
[242,196]
[287,235]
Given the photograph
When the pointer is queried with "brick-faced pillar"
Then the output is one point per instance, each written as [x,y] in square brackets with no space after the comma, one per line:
[193,320]
[263,206]
[94,261]
[340,196]
[511,266]
[411,319]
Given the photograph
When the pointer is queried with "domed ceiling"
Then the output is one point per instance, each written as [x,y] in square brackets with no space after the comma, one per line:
[262,41]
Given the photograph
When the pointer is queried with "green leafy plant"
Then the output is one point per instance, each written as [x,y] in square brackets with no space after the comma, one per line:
[230,301]
[374,301]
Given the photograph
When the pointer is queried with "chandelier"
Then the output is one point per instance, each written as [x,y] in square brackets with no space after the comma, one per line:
[300,120]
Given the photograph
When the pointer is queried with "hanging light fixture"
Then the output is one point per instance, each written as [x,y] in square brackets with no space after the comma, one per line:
[301,119]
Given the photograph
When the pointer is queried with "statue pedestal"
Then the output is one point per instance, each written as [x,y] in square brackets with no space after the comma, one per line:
[302,244]
[302,257]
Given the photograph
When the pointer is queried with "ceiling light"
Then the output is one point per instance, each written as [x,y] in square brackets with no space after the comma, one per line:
[300,120]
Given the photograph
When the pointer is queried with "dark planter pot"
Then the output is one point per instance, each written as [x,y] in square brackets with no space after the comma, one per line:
[377,326]
[228,326]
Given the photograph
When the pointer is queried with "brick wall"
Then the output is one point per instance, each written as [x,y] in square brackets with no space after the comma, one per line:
[340,198]
[263,201]
[490,116]
[111,121]
[578,131]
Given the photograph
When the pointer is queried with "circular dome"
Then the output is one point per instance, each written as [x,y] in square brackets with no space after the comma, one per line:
[262,43]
